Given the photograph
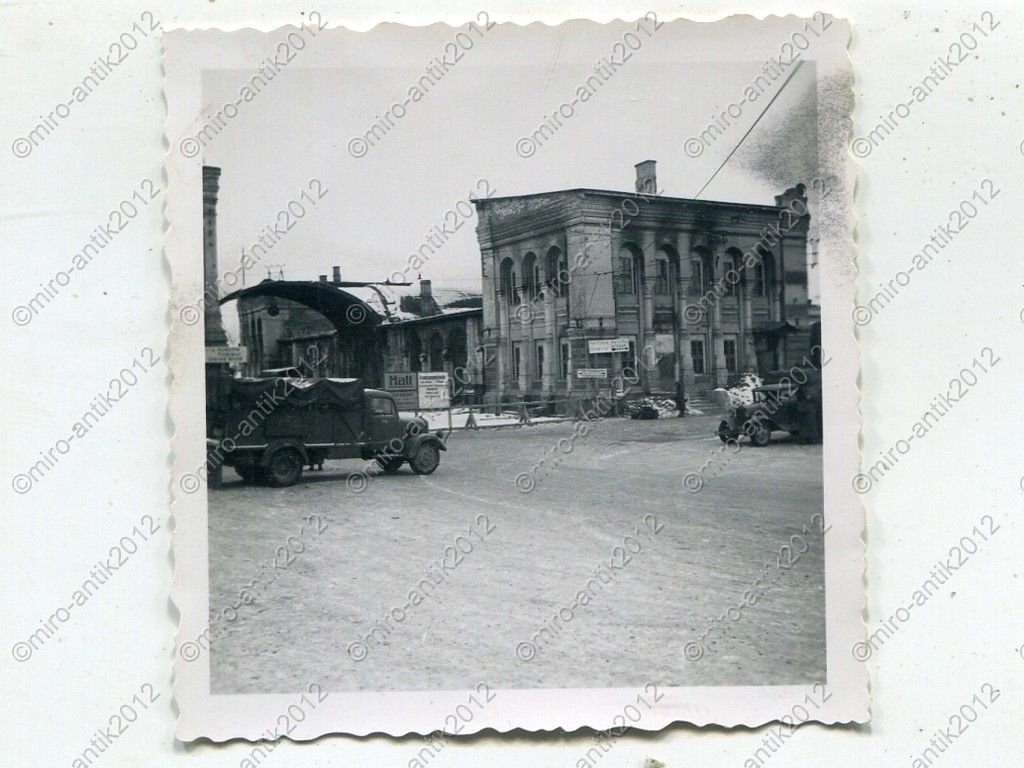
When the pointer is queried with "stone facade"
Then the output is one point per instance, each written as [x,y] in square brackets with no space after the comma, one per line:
[699,290]
[435,335]
[447,342]
[422,333]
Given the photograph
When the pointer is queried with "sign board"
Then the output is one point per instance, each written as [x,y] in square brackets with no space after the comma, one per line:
[663,343]
[227,354]
[604,346]
[404,388]
[433,390]
[418,391]
[400,382]
[407,401]
[592,373]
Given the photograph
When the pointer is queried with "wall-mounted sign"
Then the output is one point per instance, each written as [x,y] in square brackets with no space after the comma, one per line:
[604,346]
[433,390]
[663,343]
[592,373]
[227,354]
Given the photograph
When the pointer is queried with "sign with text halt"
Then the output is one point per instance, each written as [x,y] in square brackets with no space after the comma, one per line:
[404,388]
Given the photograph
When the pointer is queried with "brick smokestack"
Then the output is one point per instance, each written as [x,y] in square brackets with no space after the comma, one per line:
[336,275]
[214,326]
[646,178]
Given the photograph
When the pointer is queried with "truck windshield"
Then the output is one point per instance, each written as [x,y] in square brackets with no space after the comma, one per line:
[381,406]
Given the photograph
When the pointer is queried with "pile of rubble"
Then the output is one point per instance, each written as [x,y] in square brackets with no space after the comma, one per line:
[651,408]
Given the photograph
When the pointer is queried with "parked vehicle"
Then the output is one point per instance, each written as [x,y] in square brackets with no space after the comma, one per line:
[269,429]
[289,372]
[786,407]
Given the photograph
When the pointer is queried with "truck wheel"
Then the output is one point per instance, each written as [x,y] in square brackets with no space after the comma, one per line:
[724,433]
[758,433]
[285,468]
[390,463]
[425,460]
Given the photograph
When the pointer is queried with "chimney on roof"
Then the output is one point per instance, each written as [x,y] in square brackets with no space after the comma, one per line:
[336,275]
[428,306]
[797,193]
[646,178]
[323,278]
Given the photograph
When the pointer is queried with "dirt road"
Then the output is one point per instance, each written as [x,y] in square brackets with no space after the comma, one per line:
[605,573]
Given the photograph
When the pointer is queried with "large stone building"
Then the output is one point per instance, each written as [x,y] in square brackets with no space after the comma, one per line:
[686,292]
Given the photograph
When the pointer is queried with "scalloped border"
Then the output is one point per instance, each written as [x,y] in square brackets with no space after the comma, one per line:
[402,714]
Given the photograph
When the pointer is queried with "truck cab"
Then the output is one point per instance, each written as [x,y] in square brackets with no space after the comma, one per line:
[384,423]
[392,439]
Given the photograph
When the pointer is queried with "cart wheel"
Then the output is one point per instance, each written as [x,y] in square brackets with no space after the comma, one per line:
[758,433]
[390,463]
[425,460]
[285,468]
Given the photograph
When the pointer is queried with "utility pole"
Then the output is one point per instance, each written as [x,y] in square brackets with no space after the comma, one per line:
[751,128]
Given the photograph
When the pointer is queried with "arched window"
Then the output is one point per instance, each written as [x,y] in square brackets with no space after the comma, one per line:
[435,351]
[530,275]
[665,266]
[732,276]
[696,276]
[661,276]
[552,279]
[414,348]
[625,266]
[564,276]
[701,271]
[507,280]
[458,353]
[763,272]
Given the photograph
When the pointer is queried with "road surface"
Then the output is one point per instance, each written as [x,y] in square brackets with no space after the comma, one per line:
[336,579]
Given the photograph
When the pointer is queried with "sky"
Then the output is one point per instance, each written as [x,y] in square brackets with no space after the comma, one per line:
[372,212]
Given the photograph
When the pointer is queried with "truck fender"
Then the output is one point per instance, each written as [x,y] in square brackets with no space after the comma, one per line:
[274,445]
[415,441]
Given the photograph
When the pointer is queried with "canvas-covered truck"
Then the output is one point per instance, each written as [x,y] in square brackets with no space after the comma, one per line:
[269,429]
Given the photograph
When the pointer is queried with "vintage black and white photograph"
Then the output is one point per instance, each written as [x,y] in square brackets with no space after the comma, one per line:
[515,378]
